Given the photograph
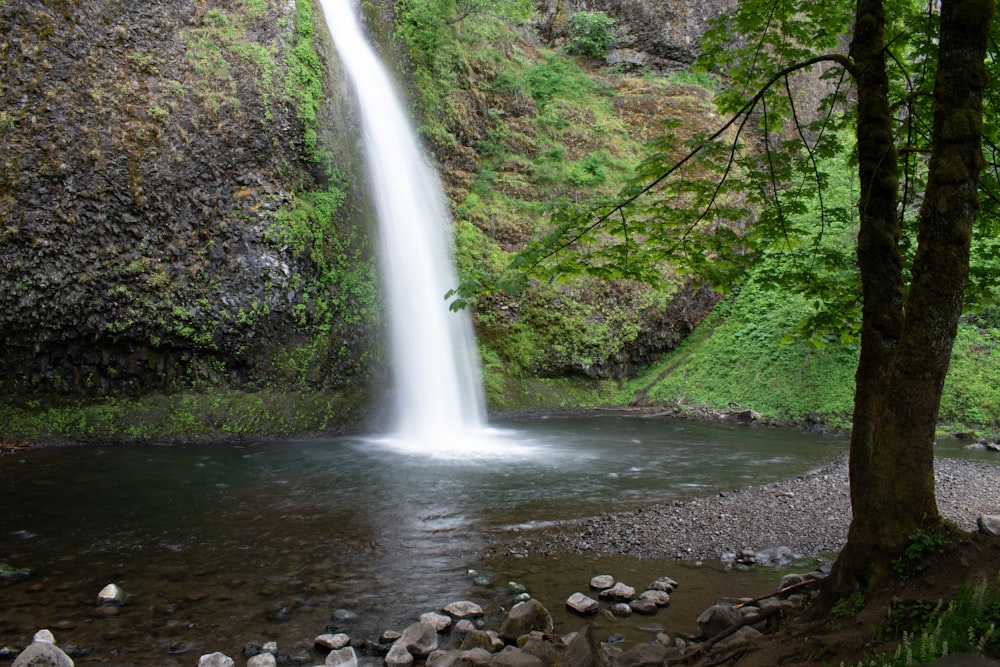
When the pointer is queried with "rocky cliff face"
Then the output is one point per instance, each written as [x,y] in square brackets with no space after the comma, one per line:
[170,214]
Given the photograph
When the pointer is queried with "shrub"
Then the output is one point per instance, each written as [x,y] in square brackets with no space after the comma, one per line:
[591,33]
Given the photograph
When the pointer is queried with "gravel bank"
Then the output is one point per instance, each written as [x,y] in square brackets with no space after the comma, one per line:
[810,514]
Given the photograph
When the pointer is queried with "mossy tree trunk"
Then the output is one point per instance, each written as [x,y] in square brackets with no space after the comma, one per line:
[907,336]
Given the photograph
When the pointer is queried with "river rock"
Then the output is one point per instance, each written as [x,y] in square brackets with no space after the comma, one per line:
[43,652]
[744,635]
[989,524]
[488,641]
[333,642]
[665,584]
[398,656]
[774,557]
[643,606]
[643,655]
[440,622]
[110,594]
[582,604]
[419,639]
[476,657]
[463,609]
[602,582]
[619,592]
[216,660]
[621,609]
[342,657]
[659,598]
[525,617]
[263,660]
[717,618]
[581,648]
[512,657]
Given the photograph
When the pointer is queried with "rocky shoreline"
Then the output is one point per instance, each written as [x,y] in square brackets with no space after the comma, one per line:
[809,514]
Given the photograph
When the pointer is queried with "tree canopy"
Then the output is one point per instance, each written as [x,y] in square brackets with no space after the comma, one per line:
[860,120]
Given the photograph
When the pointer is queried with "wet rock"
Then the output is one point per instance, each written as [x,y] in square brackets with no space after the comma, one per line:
[476,657]
[989,524]
[621,609]
[398,656]
[342,615]
[216,659]
[439,622]
[643,655]
[602,582]
[334,641]
[717,618]
[582,649]
[643,606]
[512,657]
[665,584]
[523,618]
[110,594]
[659,598]
[419,639]
[774,557]
[263,660]
[619,592]
[342,657]
[463,609]
[582,604]
[43,652]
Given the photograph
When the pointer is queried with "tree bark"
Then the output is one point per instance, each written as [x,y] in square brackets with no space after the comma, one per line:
[906,347]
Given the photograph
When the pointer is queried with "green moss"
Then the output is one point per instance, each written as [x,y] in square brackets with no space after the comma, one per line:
[189,416]
[304,80]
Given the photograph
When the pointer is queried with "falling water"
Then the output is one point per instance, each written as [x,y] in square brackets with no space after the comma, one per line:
[439,397]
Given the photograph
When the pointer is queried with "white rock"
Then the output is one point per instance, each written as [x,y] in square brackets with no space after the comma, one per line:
[439,622]
[602,581]
[332,641]
[463,609]
[664,584]
[110,594]
[659,598]
[582,604]
[619,591]
[263,660]
[44,636]
[342,657]
[42,654]
[989,524]
[398,656]
[216,660]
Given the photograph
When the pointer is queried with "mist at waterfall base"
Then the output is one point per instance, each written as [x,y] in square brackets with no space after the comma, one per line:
[219,546]
[435,366]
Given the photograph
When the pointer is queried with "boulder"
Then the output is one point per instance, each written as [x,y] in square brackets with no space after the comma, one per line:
[582,604]
[43,652]
[744,635]
[659,598]
[263,660]
[643,606]
[619,592]
[523,618]
[419,639]
[665,584]
[621,609]
[216,660]
[398,656]
[602,581]
[476,657]
[581,649]
[342,657]
[717,618]
[332,641]
[989,524]
[481,639]
[644,655]
[110,594]
[513,657]
[440,622]
[463,609]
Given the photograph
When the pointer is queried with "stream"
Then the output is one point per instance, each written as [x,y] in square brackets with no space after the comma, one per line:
[217,546]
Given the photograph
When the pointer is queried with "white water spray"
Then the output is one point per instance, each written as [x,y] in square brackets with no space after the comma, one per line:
[439,398]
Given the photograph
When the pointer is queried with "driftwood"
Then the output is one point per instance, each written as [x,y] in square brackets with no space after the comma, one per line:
[780,591]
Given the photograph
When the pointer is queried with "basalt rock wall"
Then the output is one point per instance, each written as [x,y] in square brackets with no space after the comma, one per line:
[176,206]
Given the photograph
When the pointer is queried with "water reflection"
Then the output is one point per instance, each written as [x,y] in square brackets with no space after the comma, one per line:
[218,546]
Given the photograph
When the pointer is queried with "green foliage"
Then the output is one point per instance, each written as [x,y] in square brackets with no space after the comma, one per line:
[304,79]
[591,34]
[923,546]
[968,625]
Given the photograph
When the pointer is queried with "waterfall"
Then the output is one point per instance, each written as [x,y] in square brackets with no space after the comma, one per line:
[435,364]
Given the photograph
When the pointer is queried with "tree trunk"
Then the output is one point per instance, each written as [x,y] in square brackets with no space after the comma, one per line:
[906,348]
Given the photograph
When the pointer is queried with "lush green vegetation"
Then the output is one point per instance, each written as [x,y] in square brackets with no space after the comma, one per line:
[968,625]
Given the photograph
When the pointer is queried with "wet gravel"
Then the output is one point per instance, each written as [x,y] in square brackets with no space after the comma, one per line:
[809,514]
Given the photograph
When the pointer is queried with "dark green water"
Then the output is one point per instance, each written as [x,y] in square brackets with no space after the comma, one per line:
[223,545]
